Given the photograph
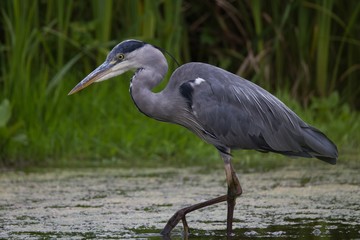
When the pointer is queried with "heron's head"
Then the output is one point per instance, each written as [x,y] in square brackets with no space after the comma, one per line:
[125,56]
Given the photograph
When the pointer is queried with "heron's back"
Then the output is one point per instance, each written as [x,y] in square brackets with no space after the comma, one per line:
[233,112]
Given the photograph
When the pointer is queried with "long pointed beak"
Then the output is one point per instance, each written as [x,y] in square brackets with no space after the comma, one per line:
[99,74]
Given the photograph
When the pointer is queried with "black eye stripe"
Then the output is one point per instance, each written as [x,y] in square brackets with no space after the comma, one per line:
[124,48]
[130,46]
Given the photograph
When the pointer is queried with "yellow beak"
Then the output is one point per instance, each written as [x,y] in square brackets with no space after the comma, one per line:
[99,74]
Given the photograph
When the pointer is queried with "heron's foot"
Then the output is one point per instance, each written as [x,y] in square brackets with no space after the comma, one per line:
[180,215]
[186,231]
[174,220]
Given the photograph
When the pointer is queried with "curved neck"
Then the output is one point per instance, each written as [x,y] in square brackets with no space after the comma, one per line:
[142,83]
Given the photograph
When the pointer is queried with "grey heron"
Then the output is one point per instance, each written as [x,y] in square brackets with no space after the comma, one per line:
[221,108]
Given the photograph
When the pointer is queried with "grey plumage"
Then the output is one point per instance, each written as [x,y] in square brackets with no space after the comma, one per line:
[223,109]
[241,115]
[231,112]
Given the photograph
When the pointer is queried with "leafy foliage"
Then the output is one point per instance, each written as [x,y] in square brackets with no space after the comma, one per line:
[307,49]
[10,133]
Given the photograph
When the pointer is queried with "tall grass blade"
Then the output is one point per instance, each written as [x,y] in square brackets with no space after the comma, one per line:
[324,36]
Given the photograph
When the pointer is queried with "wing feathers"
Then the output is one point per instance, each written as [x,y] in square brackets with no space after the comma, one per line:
[241,114]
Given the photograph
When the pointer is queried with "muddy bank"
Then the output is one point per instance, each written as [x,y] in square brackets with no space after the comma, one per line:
[118,203]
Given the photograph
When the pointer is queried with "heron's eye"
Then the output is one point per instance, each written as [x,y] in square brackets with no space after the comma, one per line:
[120,56]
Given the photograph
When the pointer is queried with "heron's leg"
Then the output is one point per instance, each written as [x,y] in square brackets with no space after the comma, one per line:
[234,189]
[180,215]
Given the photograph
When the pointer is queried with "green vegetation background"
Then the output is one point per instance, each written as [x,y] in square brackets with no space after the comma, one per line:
[305,52]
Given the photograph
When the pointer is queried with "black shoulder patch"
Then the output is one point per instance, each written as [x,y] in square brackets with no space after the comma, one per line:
[223,150]
[186,90]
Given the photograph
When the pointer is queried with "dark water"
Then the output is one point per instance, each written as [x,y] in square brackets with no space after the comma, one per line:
[135,204]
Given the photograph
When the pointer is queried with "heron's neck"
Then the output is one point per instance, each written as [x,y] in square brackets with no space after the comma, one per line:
[150,103]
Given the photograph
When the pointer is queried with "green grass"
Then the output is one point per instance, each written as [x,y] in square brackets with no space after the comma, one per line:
[304,51]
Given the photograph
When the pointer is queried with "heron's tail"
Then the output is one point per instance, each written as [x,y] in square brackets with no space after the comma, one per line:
[319,145]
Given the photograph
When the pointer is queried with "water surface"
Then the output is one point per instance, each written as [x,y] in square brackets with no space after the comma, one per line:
[135,204]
